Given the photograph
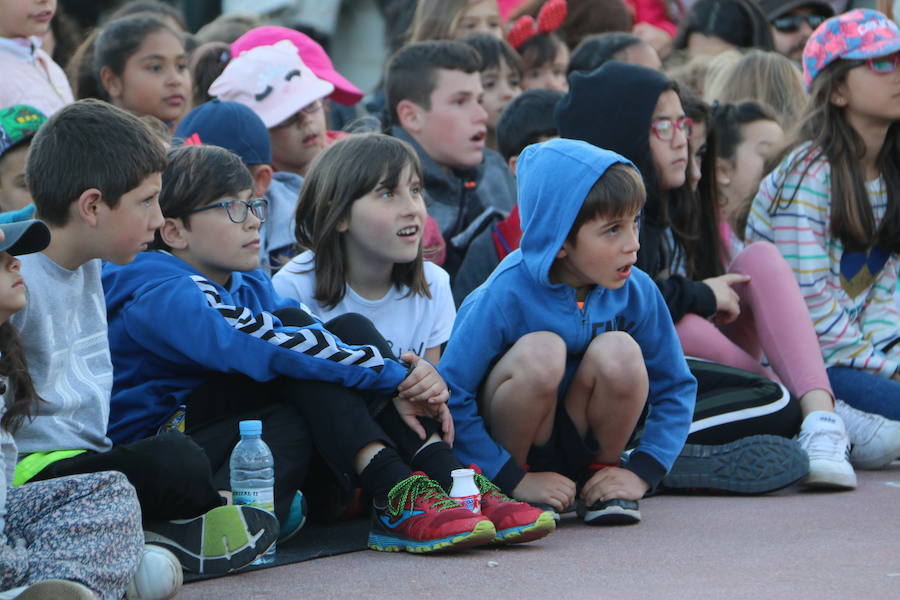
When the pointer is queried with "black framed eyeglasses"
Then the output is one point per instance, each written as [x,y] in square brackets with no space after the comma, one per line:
[792,23]
[237,209]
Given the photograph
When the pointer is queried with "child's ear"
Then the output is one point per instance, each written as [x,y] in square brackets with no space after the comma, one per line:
[724,171]
[111,83]
[88,206]
[172,233]
[838,95]
[343,226]
[564,251]
[410,115]
[262,179]
[512,162]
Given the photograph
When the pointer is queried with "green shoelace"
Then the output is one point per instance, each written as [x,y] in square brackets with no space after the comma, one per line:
[417,486]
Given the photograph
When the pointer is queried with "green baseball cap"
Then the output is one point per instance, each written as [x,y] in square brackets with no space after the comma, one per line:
[18,124]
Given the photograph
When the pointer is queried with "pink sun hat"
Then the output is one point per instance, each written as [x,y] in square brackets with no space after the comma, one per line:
[272,81]
[311,52]
[854,35]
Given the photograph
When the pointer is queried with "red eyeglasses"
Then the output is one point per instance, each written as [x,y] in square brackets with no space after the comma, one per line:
[881,65]
[664,129]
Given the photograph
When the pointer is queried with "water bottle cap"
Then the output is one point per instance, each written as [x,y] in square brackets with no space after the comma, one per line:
[251,427]
[462,473]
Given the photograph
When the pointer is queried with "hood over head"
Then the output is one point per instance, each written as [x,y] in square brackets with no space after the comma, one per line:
[611,107]
[553,179]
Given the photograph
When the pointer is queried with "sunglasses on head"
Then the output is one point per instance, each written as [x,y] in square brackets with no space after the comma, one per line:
[792,23]
[881,65]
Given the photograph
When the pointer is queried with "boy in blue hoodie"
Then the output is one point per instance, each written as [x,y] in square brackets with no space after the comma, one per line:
[194,324]
[552,360]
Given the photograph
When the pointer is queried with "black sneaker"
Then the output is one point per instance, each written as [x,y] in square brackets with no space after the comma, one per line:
[614,511]
[756,464]
[220,541]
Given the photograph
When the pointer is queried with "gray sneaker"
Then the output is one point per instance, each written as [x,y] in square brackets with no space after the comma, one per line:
[756,464]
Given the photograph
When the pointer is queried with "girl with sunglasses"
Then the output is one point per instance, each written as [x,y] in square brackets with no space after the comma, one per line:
[832,205]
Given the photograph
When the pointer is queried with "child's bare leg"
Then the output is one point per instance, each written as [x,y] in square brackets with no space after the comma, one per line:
[607,395]
[518,398]
[608,392]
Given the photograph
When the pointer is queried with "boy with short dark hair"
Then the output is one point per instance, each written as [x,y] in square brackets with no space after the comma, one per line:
[94,174]
[527,119]
[434,94]
[553,359]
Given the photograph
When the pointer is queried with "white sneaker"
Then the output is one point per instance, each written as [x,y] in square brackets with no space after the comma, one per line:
[158,575]
[823,437]
[875,440]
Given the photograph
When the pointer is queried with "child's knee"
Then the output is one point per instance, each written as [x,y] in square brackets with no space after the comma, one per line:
[616,357]
[541,360]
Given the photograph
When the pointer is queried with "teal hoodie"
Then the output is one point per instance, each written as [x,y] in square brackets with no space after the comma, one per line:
[553,180]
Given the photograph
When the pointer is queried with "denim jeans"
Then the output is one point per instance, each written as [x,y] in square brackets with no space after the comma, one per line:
[865,391]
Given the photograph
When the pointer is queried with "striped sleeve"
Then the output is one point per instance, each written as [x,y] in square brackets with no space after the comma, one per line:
[800,230]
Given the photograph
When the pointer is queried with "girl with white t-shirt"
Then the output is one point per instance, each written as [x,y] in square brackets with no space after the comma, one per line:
[360,217]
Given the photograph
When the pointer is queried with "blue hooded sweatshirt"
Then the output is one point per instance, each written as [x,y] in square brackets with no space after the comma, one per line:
[553,180]
[171,329]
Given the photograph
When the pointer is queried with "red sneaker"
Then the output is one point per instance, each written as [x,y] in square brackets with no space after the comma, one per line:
[420,517]
[516,522]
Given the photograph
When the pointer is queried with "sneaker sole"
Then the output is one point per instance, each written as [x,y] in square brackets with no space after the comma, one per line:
[543,526]
[221,541]
[830,481]
[482,533]
[611,515]
[753,465]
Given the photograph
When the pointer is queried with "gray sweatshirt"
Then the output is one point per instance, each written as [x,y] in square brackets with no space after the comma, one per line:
[63,331]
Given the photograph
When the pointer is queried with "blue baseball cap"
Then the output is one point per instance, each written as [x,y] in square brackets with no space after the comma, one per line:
[24,237]
[229,125]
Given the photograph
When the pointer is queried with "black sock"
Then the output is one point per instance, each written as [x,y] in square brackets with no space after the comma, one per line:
[383,472]
[437,460]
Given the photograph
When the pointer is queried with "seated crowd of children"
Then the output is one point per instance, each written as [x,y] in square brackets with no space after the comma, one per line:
[590,253]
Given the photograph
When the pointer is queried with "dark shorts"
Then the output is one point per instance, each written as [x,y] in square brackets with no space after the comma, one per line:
[566,452]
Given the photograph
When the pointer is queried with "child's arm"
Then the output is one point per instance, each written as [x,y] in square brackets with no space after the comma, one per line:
[800,232]
[186,320]
[480,335]
[673,389]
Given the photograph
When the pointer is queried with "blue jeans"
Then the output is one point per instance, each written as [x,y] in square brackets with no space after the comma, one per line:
[867,392]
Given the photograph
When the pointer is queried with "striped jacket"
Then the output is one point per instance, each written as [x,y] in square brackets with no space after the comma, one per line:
[850,295]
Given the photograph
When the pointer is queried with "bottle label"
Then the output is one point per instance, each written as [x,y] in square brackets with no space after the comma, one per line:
[260,498]
[472,502]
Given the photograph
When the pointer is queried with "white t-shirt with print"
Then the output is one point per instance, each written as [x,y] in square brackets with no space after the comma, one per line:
[408,323]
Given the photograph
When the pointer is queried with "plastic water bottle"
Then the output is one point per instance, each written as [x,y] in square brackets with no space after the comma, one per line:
[253,475]
[464,490]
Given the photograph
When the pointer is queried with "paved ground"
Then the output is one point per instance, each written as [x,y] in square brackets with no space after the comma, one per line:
[792,544]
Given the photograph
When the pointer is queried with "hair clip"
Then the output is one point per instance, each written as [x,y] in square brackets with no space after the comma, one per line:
[550,18]
[225,57]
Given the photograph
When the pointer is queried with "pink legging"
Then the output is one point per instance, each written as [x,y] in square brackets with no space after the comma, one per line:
[773,320]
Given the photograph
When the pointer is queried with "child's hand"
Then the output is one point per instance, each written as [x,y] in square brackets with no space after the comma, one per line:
[728,304]
[424,383]
[409,411]
[547,488]
[614,482]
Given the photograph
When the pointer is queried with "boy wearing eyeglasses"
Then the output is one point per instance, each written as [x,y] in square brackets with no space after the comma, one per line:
[198,333]
[793,22]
